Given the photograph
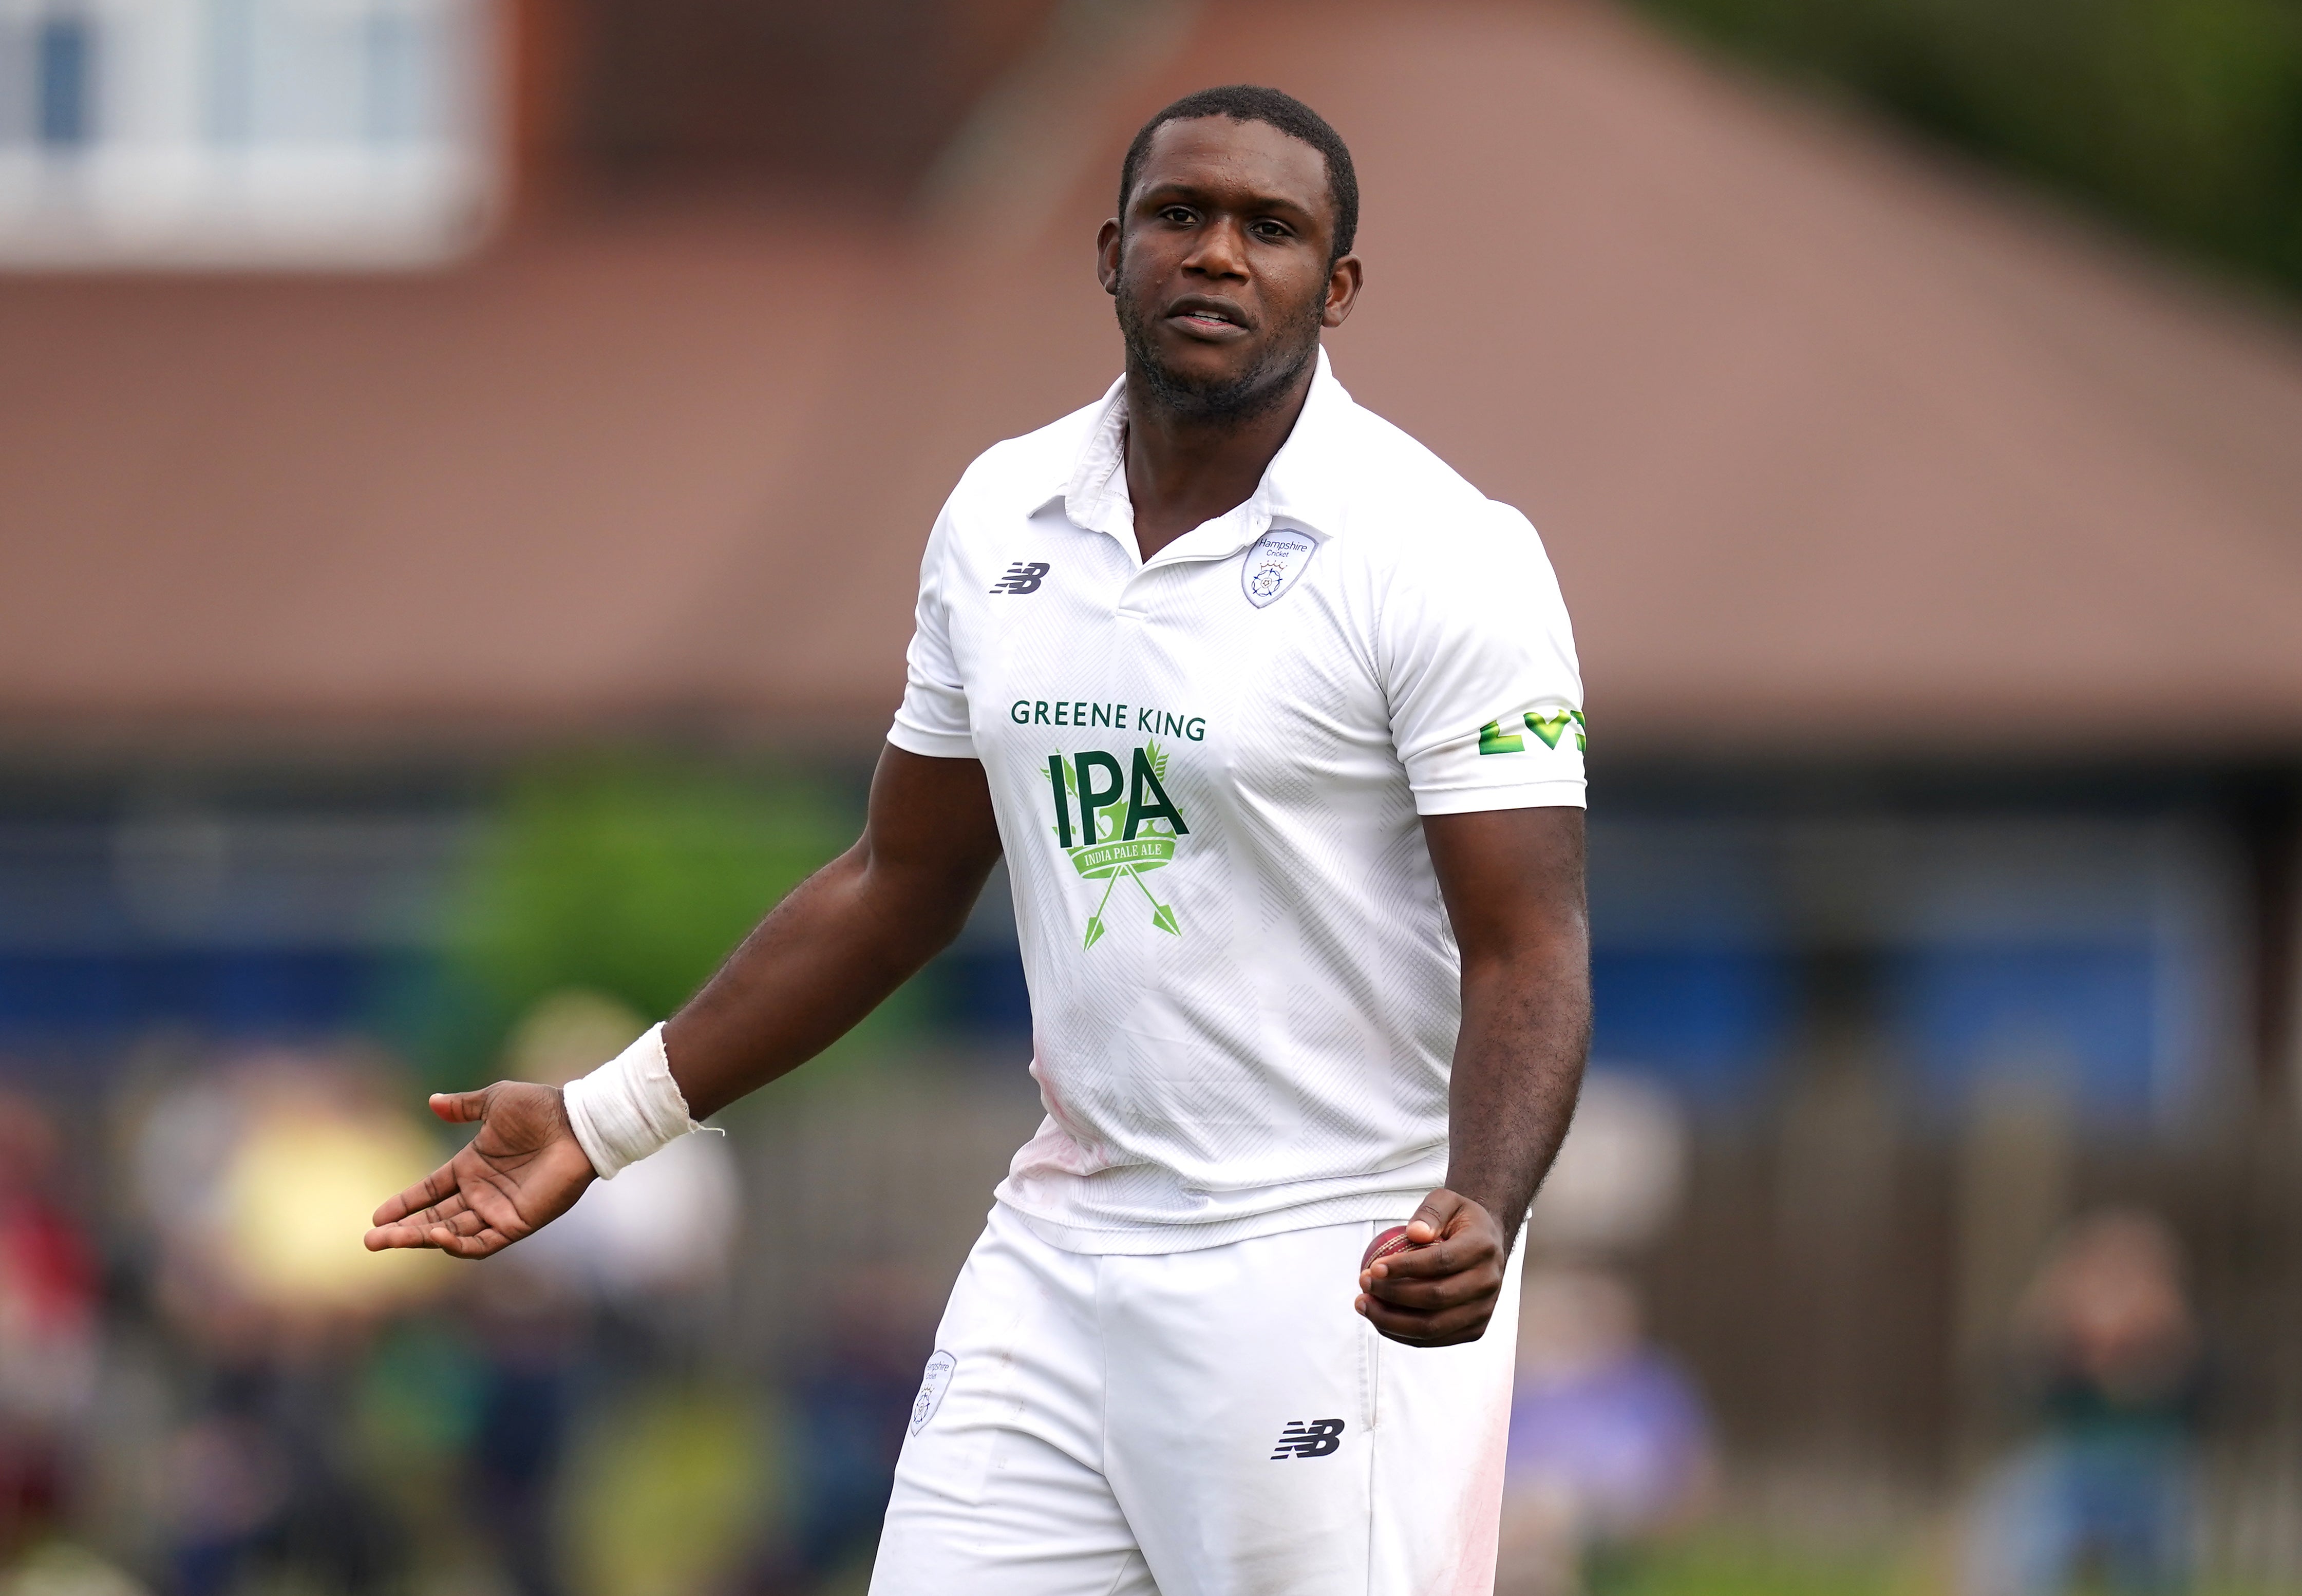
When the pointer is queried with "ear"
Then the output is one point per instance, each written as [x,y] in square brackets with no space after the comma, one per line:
[1107,242]
[1344,279]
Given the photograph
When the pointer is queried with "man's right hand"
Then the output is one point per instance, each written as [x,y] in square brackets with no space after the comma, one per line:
[524,1169]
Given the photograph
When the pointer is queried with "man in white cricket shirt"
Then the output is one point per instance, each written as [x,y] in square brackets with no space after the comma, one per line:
[1277,722]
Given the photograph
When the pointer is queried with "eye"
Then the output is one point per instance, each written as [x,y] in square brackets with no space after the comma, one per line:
[1269,228]
[1183,215]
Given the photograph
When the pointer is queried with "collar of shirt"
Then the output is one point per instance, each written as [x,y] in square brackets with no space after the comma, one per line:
[1298,490]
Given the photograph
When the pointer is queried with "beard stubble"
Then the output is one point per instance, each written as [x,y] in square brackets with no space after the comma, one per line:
[1235,399]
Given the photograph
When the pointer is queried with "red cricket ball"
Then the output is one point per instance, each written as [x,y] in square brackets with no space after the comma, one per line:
[1393,1240]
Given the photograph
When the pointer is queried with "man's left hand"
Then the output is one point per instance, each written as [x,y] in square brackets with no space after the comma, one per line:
[1441,1290]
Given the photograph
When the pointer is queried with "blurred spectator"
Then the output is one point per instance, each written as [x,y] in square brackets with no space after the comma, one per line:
[667,1490]
[532,1340]
[851,1404]
[59,1568]
[1616,1180]
[257,1182]
[1608,1442]
[264,1495]
[1610,1445]
[586,1332]
[2109,1358]
[418,1407]
[48,1326]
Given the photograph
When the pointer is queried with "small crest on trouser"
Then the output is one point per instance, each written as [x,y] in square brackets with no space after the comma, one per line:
[1277,559]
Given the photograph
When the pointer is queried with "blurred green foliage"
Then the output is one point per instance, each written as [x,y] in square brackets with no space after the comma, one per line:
[627,874]
[1719,1564]
[2182,118]
[635,875]
[1720,1561]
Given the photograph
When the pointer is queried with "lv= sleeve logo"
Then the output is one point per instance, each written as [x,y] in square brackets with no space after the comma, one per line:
[1494,739]
[1023,577]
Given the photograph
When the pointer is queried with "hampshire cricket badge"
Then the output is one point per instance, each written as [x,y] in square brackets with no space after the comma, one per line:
[1273,565]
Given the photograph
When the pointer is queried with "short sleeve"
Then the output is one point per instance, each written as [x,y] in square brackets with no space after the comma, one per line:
[933,719]
[1485,692]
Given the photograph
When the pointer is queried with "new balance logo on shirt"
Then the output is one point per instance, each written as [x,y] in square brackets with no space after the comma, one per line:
[1021,577]
[1314,1440]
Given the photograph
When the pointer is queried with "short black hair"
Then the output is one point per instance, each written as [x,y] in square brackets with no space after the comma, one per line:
[1249,102]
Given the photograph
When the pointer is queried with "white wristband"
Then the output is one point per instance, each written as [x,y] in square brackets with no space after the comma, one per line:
[628,1107]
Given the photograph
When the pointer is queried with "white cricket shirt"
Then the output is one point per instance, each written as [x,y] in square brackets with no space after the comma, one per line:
[1208,770]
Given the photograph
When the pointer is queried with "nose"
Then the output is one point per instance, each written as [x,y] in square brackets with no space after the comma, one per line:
[1220,251]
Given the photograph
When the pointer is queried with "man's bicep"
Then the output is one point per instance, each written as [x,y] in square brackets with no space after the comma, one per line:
[931,822]
[1484,691]
[1509,876]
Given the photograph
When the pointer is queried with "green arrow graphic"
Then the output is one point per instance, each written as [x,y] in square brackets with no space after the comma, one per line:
[1094,926]
[1162,915]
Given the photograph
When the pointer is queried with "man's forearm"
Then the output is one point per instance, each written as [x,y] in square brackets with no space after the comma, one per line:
[1518,1065]
[829,954]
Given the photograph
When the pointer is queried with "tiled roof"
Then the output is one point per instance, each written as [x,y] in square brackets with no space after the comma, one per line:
[1828,441]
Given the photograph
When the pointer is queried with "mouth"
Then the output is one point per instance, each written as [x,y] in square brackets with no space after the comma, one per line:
[1208,318]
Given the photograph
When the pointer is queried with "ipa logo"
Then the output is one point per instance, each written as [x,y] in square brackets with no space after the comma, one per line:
[1117,824]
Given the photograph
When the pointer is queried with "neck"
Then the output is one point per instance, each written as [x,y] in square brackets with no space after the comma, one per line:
[1183,470]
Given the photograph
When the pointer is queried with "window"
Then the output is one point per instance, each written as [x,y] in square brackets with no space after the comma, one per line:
[246,132]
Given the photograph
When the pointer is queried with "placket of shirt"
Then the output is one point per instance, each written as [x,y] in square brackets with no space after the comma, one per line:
[1217,539]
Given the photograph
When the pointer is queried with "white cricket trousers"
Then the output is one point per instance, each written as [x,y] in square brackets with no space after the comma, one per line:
[1218,1423]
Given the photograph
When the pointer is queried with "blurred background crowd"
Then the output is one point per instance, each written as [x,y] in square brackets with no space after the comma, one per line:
[463,466]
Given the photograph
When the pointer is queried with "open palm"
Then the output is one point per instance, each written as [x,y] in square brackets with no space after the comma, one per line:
[524,1169]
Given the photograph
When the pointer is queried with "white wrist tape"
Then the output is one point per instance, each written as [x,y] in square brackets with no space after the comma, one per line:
[628,1107]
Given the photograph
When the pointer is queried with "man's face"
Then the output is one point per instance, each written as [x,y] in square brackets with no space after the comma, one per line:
[1220,265]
